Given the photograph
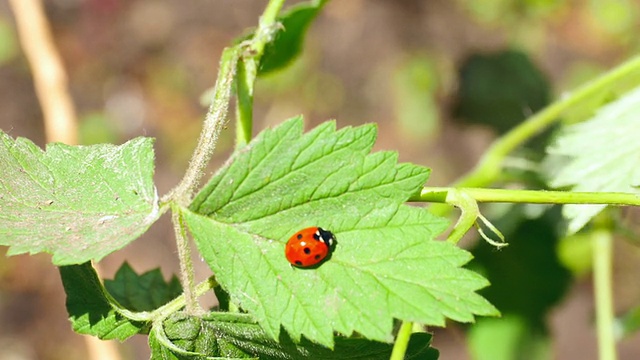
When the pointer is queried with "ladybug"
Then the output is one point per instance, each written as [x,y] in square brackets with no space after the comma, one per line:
[309,247]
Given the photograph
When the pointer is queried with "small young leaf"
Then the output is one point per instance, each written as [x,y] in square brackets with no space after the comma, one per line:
[90,310]
[78,203]
[143,292]
[385,265]
[600,154]
[183,337]
[288,39]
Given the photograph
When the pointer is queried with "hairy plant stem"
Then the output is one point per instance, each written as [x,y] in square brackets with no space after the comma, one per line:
[186,265]
[215,121]
[181,301]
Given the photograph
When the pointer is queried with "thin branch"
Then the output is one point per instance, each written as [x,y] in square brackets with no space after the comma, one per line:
[214,122]
[186,265]
[439,195]
[490,166]
[49,76]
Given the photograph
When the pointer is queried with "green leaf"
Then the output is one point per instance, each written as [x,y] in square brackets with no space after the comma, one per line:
[78,203]
[385,265]
[239,336]
[144,292]
[90,310]
[288,39]
[600,154]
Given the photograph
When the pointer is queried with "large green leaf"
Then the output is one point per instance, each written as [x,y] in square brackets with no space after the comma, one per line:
[600,154]
[385,265]
[78,203]
[91,311]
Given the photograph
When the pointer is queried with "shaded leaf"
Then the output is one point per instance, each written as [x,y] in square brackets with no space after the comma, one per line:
[90,310]
[600,154]
[144,292]
[239,336]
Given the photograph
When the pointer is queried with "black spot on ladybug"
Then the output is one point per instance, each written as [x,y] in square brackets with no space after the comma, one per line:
[299,236]
[298,262]
[307,251]
[317,257]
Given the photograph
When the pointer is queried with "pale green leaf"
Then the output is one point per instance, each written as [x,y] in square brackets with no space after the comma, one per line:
[601,154]
[78,203]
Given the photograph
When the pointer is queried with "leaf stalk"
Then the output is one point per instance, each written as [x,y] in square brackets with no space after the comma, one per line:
[248,70]
[489,167]
[486,195]
[402,341]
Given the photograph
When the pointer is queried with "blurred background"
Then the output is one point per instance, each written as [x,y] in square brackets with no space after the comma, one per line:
[441,78]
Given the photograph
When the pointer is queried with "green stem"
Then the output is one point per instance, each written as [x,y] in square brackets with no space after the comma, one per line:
[186,265]
[248,70]
[402,341]
[166,309]
[490,166]
[439,195]
[266,27]
[214,122]
[181,301]
[602,264]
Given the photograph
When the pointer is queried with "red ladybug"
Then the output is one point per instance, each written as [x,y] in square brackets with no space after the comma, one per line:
[309,247]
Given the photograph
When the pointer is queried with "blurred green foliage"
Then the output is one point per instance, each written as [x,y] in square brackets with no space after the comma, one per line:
[500,90]
[8,42]
[97,128]
[415,82]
